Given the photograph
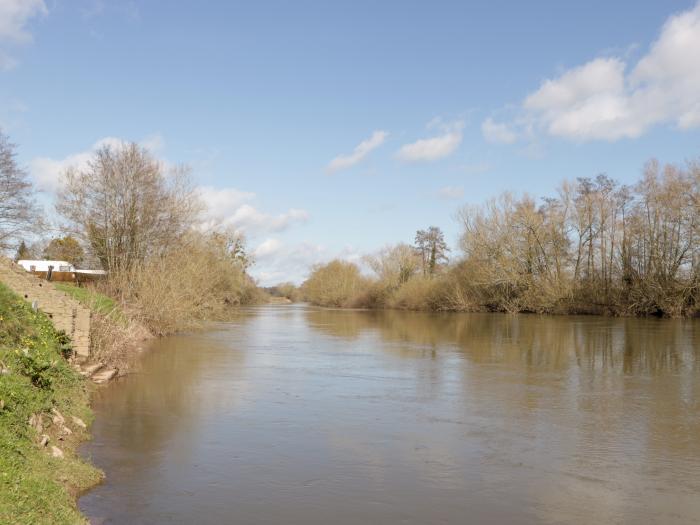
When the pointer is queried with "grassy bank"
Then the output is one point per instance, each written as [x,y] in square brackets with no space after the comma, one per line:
[41,397]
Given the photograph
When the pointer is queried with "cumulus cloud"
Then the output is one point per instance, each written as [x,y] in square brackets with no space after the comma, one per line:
[221,201]
[451,192]
[14,16]
[436,147]
[363,149]
[610,99]
[232,208]
[251,221]
[47,171]
[266,249]
[277,262]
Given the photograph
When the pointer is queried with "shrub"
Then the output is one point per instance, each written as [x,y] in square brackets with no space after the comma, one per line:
[337,284]
[196,281]
[418,293]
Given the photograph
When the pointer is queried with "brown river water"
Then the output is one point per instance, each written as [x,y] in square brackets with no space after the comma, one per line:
[296,415]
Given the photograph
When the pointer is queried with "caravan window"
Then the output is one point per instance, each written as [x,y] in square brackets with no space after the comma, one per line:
[64,268]
[32,268]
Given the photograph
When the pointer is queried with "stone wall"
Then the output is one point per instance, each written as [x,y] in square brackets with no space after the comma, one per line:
[66,313]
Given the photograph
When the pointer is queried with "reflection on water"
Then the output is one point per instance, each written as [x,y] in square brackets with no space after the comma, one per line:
[299,415]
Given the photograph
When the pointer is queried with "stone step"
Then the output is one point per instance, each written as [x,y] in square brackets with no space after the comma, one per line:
[91,369]
[105,375]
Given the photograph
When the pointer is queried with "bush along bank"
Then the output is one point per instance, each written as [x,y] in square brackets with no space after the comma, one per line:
[44,413]
[115,337]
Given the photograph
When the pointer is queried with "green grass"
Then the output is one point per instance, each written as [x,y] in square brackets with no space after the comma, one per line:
[34,378]
[96,301]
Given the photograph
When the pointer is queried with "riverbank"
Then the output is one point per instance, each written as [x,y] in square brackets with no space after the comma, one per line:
[44,415]
[115,336]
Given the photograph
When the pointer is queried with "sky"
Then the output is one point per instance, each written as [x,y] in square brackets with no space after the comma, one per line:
[330,129]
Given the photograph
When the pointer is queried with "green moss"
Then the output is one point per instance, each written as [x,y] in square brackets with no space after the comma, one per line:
[34,379]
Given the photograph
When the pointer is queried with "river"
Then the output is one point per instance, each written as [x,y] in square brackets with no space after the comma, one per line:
[297,415]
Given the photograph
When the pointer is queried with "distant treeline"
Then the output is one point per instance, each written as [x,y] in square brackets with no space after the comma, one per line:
[594,247]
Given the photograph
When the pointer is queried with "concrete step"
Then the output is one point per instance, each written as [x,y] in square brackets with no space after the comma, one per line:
[65,313]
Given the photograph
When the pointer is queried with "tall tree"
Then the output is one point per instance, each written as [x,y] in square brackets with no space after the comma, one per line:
[23,252]
[395,265]
[125,207]
[432,248]
[18,210]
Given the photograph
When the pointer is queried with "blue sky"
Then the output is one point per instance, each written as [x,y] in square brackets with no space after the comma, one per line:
[332,128]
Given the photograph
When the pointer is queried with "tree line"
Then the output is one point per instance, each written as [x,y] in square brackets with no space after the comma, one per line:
[595,246]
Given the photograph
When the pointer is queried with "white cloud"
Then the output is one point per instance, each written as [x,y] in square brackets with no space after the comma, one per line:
[251,221]
[451,192]
[231,208]
[276,262]
[222,201]
[14,15]
[47,171]
[495,132]
[363,149]
[610,99]
[266,249]
[433,148]
[588,102]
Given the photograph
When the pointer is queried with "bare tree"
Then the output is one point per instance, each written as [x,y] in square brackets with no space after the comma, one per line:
[598,247]
[432,247]
[125,207]
[394,265]
[18,210]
